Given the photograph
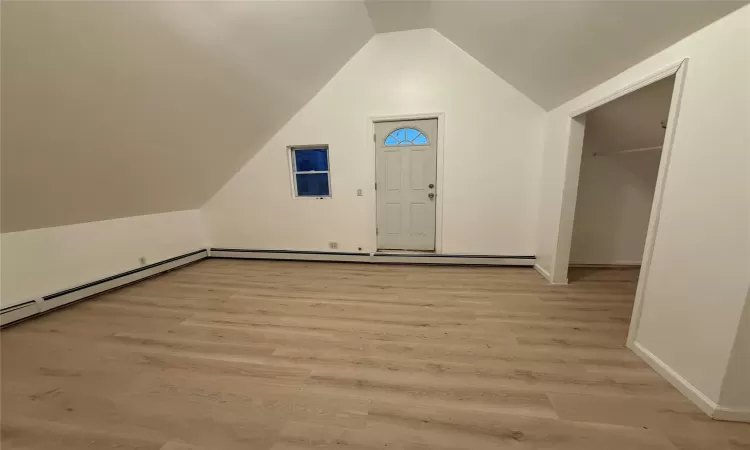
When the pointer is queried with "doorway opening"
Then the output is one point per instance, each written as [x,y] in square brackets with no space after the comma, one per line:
[619,171]
[406,184]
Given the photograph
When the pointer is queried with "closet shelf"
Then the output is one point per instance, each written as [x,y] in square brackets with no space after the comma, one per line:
[631,150]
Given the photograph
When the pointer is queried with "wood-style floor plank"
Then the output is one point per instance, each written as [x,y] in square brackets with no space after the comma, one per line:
[228,354]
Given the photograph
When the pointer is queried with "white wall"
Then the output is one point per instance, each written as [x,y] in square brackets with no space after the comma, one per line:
[46,260]
[492,144]
[698,279]
[613,206]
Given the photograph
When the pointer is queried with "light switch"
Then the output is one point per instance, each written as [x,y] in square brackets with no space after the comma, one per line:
[359,192]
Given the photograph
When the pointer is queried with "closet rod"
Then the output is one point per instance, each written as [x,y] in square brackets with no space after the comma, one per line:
[632,150]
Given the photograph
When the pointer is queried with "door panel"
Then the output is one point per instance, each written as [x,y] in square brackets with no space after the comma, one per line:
[420,225]
[393,170]
[417,170]
[392,219]
[406,167]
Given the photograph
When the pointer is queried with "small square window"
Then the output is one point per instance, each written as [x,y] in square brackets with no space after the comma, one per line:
[310,173]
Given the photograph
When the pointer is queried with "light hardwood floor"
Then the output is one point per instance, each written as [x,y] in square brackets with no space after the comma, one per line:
[245,355]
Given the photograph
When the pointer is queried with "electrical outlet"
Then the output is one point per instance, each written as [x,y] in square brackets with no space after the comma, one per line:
[359,192]
[142,260]
[333,245]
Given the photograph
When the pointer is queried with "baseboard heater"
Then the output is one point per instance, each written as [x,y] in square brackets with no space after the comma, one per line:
[374,258]
[30,308]
[24,310]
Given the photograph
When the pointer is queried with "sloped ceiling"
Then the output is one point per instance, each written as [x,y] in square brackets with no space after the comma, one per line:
[115,109]
[552,51]
[631,121]
[388,15]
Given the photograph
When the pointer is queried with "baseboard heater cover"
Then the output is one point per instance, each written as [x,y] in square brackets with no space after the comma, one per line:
[374,258]
[18,312]
[55,300]
[24,310]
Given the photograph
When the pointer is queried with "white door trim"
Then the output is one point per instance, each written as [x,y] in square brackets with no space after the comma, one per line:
[570,184]
[439,191]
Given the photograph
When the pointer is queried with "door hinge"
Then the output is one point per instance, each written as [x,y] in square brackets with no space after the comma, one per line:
[376,185]
[374,139]
[376,231]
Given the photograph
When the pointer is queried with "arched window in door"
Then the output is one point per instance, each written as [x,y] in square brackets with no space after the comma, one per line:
[406,136]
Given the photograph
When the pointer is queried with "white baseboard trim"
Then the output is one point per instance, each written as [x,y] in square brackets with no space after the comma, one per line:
[458,260]
[58,299]
[732,414]
[543,272]
[547,276]
[708,406]
[606,264]
[374,258]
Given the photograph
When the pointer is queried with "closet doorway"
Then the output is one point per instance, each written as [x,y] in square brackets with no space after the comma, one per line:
[620,160]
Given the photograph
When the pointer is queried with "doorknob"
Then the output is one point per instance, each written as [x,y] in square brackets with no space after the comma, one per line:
[431,195]
[431,186]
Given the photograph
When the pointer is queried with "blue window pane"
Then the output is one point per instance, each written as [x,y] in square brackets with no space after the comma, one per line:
[311,160]
[406,136]
[411,133]
[312,185]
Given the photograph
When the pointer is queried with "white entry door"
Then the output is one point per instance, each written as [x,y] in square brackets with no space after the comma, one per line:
[406,176]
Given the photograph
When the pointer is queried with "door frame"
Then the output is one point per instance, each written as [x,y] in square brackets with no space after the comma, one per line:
[576,127]
[439,191]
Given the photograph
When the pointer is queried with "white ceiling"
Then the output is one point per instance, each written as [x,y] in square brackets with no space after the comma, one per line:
[552,51]
[116,109]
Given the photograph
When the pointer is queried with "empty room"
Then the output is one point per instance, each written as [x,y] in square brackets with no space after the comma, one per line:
[448,225]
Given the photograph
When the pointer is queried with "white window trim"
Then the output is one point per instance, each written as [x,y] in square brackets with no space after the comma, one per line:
[293,170]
